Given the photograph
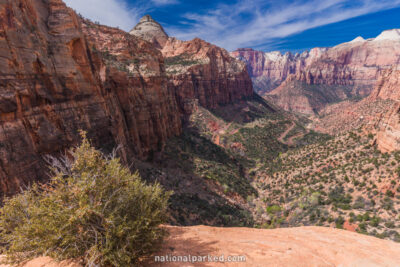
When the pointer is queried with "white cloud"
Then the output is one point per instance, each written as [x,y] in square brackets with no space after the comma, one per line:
[225,26]
[165,2]
[109,12]
[244,23]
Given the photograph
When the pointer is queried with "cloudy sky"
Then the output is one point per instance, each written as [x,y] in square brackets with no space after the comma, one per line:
[260,24]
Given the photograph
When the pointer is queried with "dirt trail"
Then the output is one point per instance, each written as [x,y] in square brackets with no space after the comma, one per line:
[283,135]
[290,139]
[216,136]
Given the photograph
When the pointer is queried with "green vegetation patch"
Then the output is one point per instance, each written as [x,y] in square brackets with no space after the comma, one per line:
[196,154]
[183,60]
[93,209]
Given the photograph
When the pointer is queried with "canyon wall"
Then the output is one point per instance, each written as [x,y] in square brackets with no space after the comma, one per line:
[204,74]
[388,124]
[309,81]
[60,73]
[269,70]
[52,84]
[199,73]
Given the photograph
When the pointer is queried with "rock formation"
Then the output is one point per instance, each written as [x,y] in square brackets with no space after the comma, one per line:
[53,83]
[199,72]
[388,125]
[203,73]
[298,246]
[150,30]
[60,73]
[322,76]
[269,70]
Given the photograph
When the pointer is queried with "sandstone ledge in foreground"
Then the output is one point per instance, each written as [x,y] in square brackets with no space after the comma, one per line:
[301,246]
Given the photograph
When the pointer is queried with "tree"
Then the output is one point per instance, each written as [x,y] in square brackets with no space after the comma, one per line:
[93,209]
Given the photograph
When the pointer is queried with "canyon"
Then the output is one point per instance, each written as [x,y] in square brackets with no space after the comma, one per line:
[61,73]
[247,138]
[308,82]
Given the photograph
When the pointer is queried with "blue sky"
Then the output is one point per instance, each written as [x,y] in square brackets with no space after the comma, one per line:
[283,25]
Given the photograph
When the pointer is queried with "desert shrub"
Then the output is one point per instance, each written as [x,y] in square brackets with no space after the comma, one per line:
[93,209]
[273,209]
[359,203]
[339,222]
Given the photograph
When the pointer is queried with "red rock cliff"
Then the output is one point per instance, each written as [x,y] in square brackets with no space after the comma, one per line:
[60,73]
[52,84]
[388,125]
[201,72]
[309,81]
[269,70]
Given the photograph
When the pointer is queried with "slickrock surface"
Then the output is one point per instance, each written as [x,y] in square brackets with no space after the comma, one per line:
[297,247]
[307,82]
[47,262]
[302,246]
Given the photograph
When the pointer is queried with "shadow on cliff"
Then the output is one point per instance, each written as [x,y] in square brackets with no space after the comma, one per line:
[245,111]
[206,180]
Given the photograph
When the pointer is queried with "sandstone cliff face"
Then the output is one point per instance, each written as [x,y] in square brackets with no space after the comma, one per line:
[198,72]
[151,31]
[388,124]
[204,74]
[60,73]
[388,134]
[269,70]
[52,84]
[324,76]
[134,81]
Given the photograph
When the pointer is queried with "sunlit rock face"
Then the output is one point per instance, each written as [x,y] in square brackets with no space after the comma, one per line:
[55,80]
[309,81]
[199,73]
[388,126]
[61,73]
[151,31]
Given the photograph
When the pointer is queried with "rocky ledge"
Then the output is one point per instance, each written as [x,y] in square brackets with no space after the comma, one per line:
[300,246]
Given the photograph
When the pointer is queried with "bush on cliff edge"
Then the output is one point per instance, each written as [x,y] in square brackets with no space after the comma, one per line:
[93,209]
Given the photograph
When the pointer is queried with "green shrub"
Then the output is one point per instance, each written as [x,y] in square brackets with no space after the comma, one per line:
[273,209]
[93,209]
[339,222]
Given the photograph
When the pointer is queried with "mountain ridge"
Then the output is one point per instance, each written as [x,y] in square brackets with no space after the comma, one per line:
[341,72]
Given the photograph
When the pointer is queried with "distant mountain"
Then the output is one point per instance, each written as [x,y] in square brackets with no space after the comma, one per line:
[309,81]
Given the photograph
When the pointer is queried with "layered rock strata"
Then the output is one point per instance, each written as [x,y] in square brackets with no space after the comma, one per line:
[53,82]
[199,73]
[60,73]
[388,125]
[307,82]
[204,74]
